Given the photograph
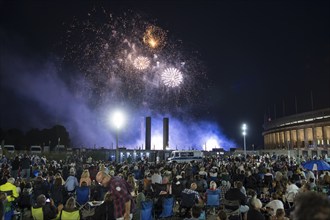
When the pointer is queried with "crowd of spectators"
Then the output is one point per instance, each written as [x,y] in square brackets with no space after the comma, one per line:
[266,187]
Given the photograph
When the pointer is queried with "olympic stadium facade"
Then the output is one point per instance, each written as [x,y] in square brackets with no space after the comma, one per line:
[308,133]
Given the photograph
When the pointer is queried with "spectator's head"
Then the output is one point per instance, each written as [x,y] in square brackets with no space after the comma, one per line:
[256,203]
[72,171]
[311,206]
[222,215]
[58,181]
[193,186]
[213,185]
[3,196]
[11,180]
[280,213]
[85,174]
[41,200]
[103,178]
[70,203]
[238,184]
[83,183]
[306,187]
[224,183]
[196,211]
[38,179]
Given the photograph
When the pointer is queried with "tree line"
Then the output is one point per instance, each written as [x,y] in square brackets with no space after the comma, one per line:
[45,137]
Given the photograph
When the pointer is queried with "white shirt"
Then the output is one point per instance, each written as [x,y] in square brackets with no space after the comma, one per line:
[156,178]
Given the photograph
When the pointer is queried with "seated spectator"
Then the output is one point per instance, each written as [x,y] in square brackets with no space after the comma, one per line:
[192,190]
[156,177]
[85,176]
[58,175]
[279,215]
[222,215]
[40,187]
[70,211]
[201,183]
[213,188]
[235,194]
[224,187]
[306,187]
[196,212]
[57,191]
[291,191]
[105,210]
[139,199]
[10,189]
[273,205]
[25,199]
[132,182]
[44,210]
[254,212]
[71,183]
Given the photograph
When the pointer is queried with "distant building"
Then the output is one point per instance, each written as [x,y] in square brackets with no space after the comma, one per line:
[309,130]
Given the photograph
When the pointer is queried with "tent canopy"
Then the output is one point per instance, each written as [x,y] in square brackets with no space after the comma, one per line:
[316,165]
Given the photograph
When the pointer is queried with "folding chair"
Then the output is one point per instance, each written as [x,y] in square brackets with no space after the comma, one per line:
[232,208]
[167,209]
[82,195]
[146,210]
[187,202]
[213,199]
[157,188]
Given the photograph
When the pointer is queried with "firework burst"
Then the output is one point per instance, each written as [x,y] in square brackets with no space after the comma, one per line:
[154,37]
[172,77]
[141,63]
[112,51]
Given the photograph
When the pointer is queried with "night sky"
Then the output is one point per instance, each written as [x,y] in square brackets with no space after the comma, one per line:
[248,62]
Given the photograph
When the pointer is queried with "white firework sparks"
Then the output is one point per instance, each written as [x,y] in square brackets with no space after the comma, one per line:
[141,63]
[172,77]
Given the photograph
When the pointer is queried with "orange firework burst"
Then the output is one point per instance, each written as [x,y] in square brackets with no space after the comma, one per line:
[154,37]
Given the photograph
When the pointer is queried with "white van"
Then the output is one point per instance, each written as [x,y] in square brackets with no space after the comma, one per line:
[9,148]
[35,150]
[181,156]
[60,148]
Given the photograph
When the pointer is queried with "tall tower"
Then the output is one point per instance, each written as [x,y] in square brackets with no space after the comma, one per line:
[165,132]
[148,133]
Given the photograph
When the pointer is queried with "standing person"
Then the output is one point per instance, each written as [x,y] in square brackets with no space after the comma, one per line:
[25,167]
[15,167]
[121,192]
